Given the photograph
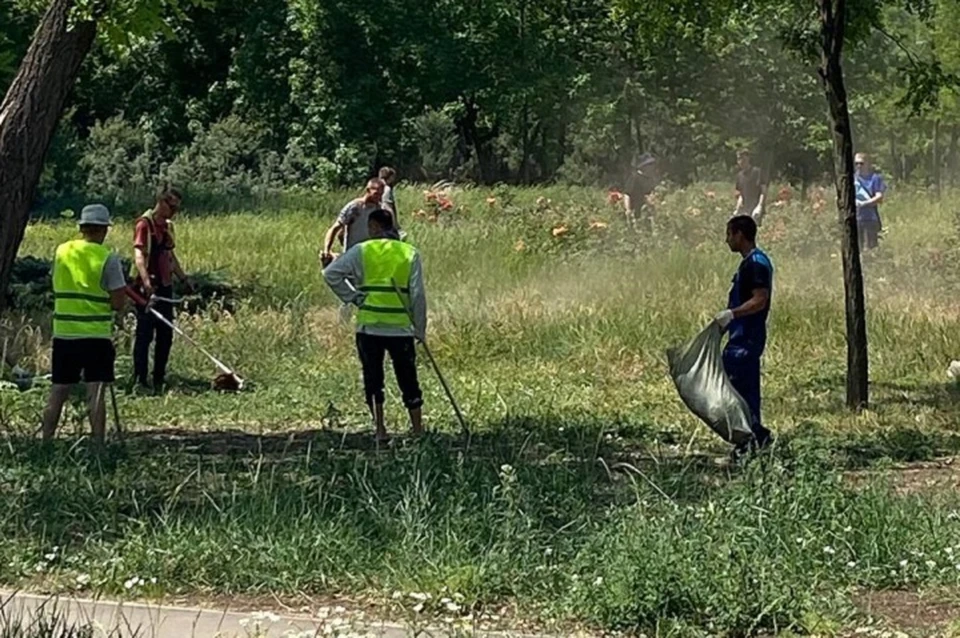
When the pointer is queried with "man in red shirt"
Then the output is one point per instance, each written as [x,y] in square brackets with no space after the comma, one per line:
[154,266]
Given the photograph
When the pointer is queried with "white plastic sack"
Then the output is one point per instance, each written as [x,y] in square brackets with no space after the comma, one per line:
[697,371]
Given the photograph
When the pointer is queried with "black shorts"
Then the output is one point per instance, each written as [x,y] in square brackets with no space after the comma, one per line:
[91,359]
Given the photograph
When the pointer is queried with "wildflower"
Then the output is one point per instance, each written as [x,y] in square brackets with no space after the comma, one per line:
[598,581]
[829,550]
[904,563]
[130,583]
[851,564]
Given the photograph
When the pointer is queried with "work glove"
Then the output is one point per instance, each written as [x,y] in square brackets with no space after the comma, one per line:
[724,318]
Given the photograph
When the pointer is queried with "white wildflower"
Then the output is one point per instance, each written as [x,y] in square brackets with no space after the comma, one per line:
[829,550]
[904,563]
[130,583]
[851,564]
[598,581]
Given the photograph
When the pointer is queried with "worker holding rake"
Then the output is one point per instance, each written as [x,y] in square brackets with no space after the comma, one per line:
[88,287]
[392,313]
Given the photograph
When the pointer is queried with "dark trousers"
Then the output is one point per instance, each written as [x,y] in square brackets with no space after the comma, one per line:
[403,352]
[869,232]
[148,327]
[742,366]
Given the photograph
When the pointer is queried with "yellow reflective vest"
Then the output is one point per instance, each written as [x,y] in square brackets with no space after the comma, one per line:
[81,306]
[386,283]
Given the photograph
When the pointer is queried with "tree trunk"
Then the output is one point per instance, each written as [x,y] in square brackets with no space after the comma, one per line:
[937,161]
[832,17]
[28,118]
[952,154]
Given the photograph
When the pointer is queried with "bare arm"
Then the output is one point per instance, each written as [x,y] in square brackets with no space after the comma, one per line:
[118,299]
[753,305]
[331,236]
[140,259]
[177,270]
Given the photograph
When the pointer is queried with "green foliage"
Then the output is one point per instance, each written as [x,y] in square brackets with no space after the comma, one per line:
[121,161]
[434,133]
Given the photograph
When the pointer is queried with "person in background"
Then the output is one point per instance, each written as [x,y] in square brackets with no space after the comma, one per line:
[351,223]
[383,277]
[870,189]
[389,177]
[641,182]
[155,264]
[745,319]
[751,188]
[88,287]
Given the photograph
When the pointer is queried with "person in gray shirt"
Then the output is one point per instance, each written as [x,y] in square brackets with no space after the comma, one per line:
[352,221]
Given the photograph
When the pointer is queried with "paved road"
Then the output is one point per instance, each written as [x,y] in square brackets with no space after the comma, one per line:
[139,620]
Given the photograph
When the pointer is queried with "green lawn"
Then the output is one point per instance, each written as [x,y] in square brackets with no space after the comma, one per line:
[588,495]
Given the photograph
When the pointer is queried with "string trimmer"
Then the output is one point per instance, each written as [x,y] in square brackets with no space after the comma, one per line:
[227,379]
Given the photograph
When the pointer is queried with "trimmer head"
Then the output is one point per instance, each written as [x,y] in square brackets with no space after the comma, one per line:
[227,383]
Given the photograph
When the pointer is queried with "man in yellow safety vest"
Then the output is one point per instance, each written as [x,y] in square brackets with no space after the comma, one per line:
[88,287]
[392,312]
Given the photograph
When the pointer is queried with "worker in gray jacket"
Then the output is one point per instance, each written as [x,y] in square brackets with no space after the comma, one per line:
[392,312]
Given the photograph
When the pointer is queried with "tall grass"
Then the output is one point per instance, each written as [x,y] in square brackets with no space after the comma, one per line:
[581,498]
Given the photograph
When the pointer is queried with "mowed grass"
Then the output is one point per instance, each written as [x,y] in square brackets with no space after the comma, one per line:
[583,496]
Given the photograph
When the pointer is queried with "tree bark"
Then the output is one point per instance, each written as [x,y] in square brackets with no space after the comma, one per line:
[832,18]
[937,161]
[952,154]
[28,118]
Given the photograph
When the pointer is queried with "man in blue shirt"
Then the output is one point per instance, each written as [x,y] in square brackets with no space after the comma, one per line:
[745,319]
[870,188]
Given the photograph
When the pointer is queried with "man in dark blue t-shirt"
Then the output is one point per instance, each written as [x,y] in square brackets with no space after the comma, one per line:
[745,318]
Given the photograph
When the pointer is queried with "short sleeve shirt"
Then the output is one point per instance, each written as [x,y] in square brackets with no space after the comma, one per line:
[750,186]
[868,187]
[755,273]
[112,277]
[354,217]
[160,259]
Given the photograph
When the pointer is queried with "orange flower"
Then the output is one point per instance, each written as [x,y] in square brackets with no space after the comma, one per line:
[560,231]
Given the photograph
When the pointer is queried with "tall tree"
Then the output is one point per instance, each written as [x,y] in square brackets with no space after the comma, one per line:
[832,33]
[29,114]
